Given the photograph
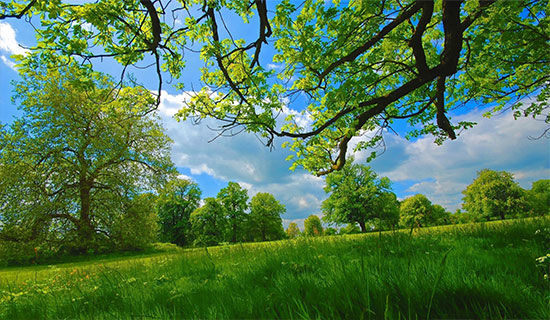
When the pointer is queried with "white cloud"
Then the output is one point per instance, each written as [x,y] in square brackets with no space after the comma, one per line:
[8,43]
[442,172]
[8,62]
[439,172]
[185,177]
[242,158]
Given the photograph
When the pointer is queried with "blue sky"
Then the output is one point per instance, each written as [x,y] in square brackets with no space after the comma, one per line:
[420,166]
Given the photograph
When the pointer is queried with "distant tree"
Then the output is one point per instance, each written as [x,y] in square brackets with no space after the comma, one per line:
[293,231]
[265,217]
[350,228]
[417,211]
[137,227]
[463,217]
[357,195]
[176,201]
[82,149]
[313,226]
[234,200]
[329,231]
[494,194]
[440,215]
[389,213]
[539,197]
[208,223]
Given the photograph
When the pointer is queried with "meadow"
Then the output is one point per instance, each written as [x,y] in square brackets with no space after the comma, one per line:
[484,270]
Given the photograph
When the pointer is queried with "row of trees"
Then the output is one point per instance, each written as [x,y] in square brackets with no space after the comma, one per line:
[228,217]
[359,197]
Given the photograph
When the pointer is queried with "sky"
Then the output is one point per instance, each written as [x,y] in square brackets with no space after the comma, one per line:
[419,166]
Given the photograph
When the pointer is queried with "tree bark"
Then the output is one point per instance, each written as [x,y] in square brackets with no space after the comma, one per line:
[84,227]
[363,227]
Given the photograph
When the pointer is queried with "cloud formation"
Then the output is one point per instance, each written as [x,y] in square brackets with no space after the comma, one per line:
[439,172]
[9,44]
[242,158]
[442,172]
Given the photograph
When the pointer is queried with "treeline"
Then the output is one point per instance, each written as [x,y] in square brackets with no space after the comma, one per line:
[229,217]
[363,202]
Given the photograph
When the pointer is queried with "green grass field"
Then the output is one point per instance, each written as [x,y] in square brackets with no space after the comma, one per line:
[484,271]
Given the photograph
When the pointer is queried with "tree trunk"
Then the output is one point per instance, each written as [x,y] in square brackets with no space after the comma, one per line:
[85,228]
[234,236]
[363,227]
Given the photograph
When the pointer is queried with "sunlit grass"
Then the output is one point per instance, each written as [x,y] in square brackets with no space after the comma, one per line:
[471,271]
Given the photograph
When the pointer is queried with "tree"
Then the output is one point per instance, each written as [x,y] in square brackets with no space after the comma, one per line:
[234,200]
[312,226]
[357,195]
[265,217]
[539,197]
[137,226]
[494,194]
[82,150]
[176,201]
[292,231]
[363,66]
[441,216]
[417,211]
[208,223]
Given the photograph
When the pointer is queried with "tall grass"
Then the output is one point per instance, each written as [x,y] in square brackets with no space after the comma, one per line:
[475,271]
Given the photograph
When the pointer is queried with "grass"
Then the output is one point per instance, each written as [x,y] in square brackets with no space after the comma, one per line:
[484,270]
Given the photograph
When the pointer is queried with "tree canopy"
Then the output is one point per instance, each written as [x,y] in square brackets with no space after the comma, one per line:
[357,195]
[351,68]
[80,153]
[538,197]
[313,226]
[418,211]
[233,199]
[176,201]
[265,217]
[208,223]
[494,194]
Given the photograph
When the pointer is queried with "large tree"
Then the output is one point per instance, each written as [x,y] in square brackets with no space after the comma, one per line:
[176,201]
[81,151]
[357,195]
[494,194]
[233,199]
[352,67]
[265,217]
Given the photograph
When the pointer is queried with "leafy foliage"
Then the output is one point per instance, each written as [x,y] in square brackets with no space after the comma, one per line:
[539,197]
[292,231]
[362,65]
[416,211]
[137,227]
[78,157]
[312,226]
[176,201]
[234,200]
[265,217]
[494,194]
[357,195]
[208,223]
